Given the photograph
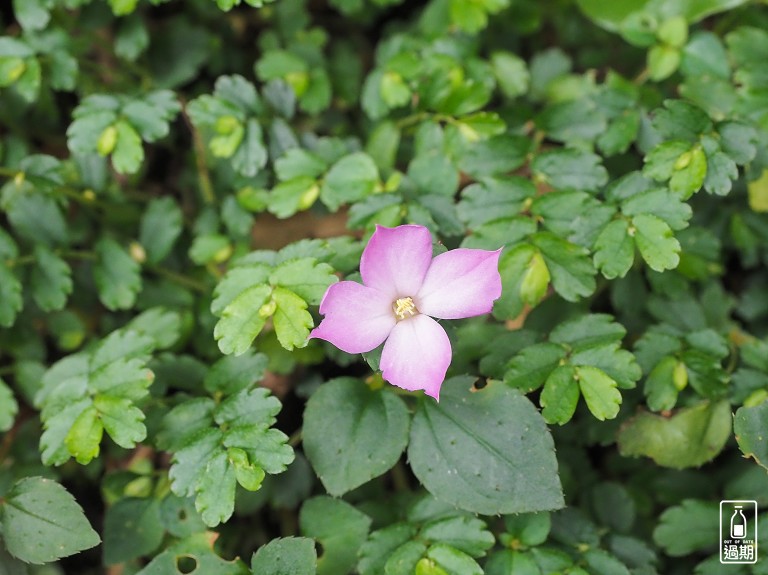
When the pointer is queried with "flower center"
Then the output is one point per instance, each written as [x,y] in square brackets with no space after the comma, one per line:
[404,308]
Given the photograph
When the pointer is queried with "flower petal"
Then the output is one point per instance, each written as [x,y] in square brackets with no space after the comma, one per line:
[396,260]
[357,318]
[417,355]
[460,283]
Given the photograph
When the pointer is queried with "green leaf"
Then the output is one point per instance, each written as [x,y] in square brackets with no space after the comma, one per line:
[346,451]
[560,395]
[297,162]
[338,527]
[306,277]
[467,534]
[117,275]
[568,169]
[529,369]
[749,425]
[8,407]
[294,555]
[689,527]
[216,447]
[569,265]
[655,242]
[614,250]
[210,248]
[691,437]
[660,389]
[11,300]
[292,321]
[132,528]
[41,522]
[351,179]
[51,280]
[84,437]
[122,420]
[242,320]
[128,153]
[511,73]
[161,226]
[232,374]
[251,154]
[453,560]
[236,281]
[599,391]
[194,551]
[477,465]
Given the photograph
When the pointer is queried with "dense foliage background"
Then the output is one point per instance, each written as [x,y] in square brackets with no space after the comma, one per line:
[181,182]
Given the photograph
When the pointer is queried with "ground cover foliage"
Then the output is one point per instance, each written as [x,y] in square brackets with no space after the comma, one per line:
[181,181]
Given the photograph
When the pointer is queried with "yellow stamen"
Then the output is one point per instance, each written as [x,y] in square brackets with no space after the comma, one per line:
[404,308]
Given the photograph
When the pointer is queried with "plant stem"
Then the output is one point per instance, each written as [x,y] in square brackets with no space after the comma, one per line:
[204,176]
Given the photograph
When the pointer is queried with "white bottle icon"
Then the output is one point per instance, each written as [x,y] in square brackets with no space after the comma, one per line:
[738,523]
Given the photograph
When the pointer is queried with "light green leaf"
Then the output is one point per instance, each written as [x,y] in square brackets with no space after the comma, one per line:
[690,438]
[292,321]
[305,277]
[338,527]
[197,548]
[242,320]
[84,436]
[346,451]
[656,243]
[41,522]
[660,390]
[294,555]
[351,179]
[568,169]
[500,459]
[511,73]
[599,391]
[128,153]
[51,280]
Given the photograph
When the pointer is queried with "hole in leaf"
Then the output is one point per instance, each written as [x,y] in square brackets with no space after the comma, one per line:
[479,384]
[186,564]
[319,548]
[182,514]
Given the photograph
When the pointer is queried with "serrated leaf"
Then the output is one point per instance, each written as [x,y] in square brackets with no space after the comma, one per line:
[117,275]
[84,436]
[121,419]
[691,437]
[688,527]
[241,320]
[568,169]
[351,179]
[306,277]
[599,391]
[614,250]
[294,555]
[8,407]
[656,242]
[161,226]
[570,267]
[531,367]
[346,451]
[467,534]
[236,281]
[11,300]
[462,464]
[51,280]
[338,527]
[198,548]
[251,154]
[560,395]
[749,425]
[660,389]
[292,321]
[232,374]
[41,522]
[128,152]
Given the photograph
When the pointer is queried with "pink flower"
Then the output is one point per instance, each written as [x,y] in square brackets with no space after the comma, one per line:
[403,287]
